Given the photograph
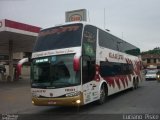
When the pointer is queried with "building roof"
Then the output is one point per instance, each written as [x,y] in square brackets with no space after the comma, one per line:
[151,56]
[21,35]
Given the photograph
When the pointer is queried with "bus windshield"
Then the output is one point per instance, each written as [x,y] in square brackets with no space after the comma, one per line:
[54,72]
[59,37]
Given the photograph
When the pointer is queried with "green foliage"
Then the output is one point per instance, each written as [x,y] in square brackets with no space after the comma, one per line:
[154,51]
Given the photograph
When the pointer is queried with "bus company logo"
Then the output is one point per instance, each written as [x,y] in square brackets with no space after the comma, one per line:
[51,94]
[116,56]
[75,17]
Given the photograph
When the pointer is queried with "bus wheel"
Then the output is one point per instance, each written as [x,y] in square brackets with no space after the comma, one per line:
[103,95]
[135,83]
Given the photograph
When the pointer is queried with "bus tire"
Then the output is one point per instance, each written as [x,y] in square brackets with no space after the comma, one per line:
[135,84]
[103,94]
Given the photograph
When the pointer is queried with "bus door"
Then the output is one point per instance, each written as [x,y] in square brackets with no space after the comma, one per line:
[89,63]
[90,89]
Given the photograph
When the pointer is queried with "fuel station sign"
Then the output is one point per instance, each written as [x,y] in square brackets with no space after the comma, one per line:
[76,15]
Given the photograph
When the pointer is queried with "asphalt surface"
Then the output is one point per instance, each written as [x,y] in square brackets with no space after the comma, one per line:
[15,98]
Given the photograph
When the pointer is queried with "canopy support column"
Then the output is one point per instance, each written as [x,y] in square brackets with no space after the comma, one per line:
[10,78]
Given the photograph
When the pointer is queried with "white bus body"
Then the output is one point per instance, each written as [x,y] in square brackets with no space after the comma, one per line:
[78,63]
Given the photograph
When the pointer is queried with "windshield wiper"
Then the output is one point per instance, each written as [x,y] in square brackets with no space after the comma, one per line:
[38,86]
[51,87]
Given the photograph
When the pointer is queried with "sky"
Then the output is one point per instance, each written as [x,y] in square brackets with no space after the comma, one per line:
[135,21]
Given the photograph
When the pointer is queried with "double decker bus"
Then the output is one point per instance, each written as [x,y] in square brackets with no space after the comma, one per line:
[77,63]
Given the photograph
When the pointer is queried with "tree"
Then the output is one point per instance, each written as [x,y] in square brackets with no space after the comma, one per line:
[154,51]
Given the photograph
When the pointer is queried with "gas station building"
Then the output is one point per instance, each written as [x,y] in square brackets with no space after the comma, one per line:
[16,42]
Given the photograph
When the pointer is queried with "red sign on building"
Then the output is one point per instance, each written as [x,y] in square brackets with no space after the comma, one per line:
[76,15]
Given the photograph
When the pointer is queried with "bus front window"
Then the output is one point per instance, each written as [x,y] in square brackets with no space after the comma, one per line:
[54,72]
[59,37]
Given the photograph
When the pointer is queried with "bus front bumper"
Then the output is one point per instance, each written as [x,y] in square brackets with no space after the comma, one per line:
[65,101]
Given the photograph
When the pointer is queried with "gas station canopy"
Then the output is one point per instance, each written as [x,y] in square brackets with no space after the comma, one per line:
[16,37]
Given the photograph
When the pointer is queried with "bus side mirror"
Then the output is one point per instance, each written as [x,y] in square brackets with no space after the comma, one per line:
[76,63]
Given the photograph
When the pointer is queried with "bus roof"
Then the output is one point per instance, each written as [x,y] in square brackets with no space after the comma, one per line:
[87,23]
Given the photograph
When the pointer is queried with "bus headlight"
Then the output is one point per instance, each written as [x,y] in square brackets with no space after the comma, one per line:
[158,76]
[78,101]
[32,102]
[73,94]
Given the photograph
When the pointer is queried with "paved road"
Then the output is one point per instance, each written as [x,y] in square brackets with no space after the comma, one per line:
[15,98]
